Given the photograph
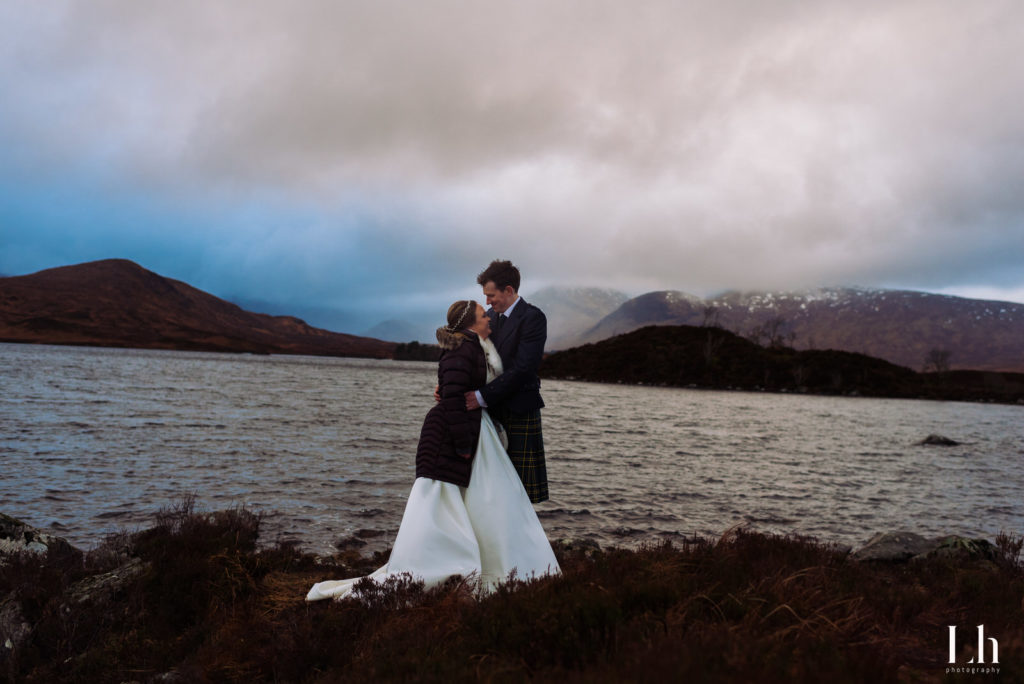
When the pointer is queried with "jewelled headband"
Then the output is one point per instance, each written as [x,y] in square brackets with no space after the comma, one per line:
[456,327]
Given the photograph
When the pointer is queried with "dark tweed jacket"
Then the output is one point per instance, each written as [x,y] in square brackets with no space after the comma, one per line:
[450,432]
[521,347]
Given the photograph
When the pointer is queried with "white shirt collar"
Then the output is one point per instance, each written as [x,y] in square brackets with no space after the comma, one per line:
[508,311]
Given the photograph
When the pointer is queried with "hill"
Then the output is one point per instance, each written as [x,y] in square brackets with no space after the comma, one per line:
[572,311]
[117,303]
[689,356]
[902,327]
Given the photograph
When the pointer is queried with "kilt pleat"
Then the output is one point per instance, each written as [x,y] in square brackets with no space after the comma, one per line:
[526,451]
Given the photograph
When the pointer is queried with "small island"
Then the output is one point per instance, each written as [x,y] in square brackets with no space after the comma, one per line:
[713,358]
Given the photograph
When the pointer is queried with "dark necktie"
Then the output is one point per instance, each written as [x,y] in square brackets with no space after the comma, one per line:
[500,323]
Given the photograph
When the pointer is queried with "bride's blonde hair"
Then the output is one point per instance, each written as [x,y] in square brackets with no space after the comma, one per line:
[461,315]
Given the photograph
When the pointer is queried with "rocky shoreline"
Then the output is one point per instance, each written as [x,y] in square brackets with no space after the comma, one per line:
[18,537]
[896,546]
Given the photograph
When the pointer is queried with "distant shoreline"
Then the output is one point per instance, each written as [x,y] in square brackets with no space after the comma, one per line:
[200,348]
[761,390]
[967,386]
[713,358]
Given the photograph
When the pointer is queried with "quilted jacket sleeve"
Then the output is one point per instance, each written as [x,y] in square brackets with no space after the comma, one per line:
[455,377]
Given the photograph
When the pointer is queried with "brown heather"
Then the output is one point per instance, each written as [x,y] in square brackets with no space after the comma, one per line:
[209,606]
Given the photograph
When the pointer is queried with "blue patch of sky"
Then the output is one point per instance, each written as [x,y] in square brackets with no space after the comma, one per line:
[344,268]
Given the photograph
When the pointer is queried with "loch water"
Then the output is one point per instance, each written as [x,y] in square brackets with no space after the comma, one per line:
[93,441]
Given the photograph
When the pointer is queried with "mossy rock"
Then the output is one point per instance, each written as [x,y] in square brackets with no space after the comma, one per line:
[962,548]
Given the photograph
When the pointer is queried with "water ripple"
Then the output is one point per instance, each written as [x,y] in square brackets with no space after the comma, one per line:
[325,449]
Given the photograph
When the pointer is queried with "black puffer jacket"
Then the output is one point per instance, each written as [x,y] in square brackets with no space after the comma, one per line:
[450,432]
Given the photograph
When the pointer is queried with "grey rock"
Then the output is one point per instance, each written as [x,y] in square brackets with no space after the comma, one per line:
[938,440]
[893,546]
[19,537]
[367,533]
[905,546]
[962,548]
[106,585]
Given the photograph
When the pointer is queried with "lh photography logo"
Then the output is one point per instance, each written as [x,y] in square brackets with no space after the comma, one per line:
[984,661]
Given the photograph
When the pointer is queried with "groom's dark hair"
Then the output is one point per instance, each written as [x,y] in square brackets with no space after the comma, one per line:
[502,273]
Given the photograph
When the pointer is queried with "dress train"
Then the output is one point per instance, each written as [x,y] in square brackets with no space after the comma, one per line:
[484,531]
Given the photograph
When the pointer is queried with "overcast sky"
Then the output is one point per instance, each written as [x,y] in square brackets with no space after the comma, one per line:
[375,156]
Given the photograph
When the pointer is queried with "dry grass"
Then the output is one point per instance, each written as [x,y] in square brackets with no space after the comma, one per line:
[747,607]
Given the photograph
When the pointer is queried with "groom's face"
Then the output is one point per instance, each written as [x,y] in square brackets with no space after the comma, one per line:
[499,300]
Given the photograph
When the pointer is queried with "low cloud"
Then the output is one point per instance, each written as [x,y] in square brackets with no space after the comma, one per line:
[346,149]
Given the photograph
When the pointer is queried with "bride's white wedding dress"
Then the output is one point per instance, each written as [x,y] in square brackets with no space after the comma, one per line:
[482,532]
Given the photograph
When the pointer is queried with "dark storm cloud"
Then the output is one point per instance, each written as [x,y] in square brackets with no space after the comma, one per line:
[340,151]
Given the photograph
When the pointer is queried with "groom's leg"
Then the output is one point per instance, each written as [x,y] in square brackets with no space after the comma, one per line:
[526,451]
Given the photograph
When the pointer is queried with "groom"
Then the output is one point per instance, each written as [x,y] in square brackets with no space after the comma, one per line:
[519,331]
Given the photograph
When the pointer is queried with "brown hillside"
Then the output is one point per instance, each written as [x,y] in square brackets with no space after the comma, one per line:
[118,303]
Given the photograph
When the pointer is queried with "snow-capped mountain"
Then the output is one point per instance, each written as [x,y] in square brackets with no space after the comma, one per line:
[901,326]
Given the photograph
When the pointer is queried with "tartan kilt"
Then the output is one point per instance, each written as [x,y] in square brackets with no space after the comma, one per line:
[526,451]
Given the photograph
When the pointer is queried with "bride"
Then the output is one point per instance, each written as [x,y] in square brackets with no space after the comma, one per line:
[468,513]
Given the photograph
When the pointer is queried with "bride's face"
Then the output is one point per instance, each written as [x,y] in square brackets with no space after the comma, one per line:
[482,326]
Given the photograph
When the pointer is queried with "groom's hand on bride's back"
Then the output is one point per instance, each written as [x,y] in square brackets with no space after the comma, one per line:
[471,401]
[437,393]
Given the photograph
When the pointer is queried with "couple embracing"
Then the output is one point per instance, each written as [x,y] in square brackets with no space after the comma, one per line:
[480,460]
